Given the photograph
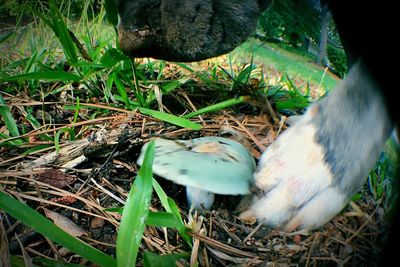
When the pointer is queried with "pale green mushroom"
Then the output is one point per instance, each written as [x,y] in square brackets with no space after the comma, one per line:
[206,166]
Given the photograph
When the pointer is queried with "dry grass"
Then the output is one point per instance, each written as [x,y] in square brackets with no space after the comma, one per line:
[106,155]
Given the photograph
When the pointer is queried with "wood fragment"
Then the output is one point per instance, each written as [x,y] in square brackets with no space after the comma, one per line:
[226,248]
[83,147]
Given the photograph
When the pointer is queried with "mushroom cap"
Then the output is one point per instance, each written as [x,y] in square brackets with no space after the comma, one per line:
[215,164]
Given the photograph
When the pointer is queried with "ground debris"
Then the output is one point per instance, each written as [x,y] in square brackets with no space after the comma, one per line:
[81,190]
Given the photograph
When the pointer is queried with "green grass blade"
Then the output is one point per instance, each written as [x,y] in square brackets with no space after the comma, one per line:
[33,121]
[293,87]
[292,103]
[159,219]
[167,88]
[58,136]
[9,121]
[112,11]
[40,262]
[171,207]
[203,77]
[135,87]
[218,106]
[162,219]
[161,68]
[77,108]
[182,229]
[185,67]
[115,209]
[182,122]
[135,213]
[13,142]
[175,84]
[161,195]
[28,67]
[44,226]
[121,88]
[231,72]
[43,75]
[111,57]
[92,66]
[5,36]
[244,75]
[17,262]
[43,262]
[171,218]
[62,33]
[174,208]
[154,260]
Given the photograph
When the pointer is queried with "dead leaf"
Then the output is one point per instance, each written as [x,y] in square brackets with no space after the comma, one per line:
[224,256]
[64,223]
[67,200]
[96,222]
[297,239]
[54,177]
[63,251]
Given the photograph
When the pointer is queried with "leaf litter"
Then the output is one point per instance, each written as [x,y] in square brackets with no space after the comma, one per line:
[77,183]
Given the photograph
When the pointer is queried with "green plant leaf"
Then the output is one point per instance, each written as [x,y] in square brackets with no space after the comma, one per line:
[291,103]
[28,67]
[111,57]
[5,36]
[57,136]
[293,87]
[135,213]
[357,197]
[134,86]
[17,261]
[121,88]
[45,227]
[154,260]
[9,121]
[112,11]
[168,87]
[61,31]
[244,75]
[32,120]
[163,219]
[43,75]
[115,209]
[90,65]
[10,140]
[203,77]
[161,195]
[171,207]
[182,228]
[218,106]
[43,262]
[182,122]
[159,219]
